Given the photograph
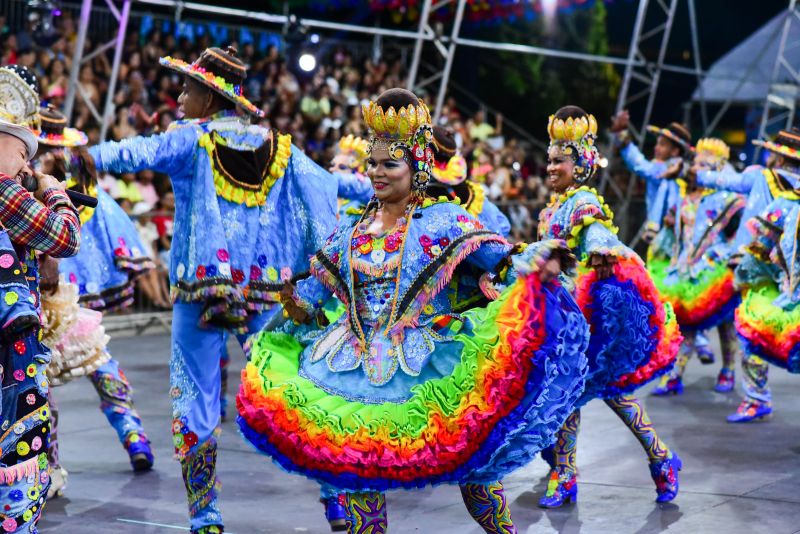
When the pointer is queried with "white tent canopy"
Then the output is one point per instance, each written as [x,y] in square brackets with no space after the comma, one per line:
[743,75]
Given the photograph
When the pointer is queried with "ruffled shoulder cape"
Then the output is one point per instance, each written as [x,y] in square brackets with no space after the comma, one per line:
[110,259]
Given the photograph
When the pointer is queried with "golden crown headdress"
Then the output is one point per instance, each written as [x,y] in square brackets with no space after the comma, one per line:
[715,147]
[397,124]
[355,145]
[571,129]
[576,136]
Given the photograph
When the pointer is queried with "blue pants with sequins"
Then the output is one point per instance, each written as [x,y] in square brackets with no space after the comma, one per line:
[195,376]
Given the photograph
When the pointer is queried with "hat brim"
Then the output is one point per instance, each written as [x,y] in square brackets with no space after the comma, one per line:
[783,150]
[669,135]
[22,133]
[215,83]
[71,138]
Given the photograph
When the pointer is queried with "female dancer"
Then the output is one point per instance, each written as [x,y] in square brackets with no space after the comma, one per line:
[698,282]
[400,391]
[634,336]
[768,319]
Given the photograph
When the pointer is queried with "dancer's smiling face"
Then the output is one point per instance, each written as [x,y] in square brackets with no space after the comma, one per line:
[391,179]
[560,169]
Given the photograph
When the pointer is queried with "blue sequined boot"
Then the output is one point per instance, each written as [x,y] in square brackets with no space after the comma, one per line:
[665,475]
[751,410]
[561,489]
[335,512]
[725,381]
[668,386]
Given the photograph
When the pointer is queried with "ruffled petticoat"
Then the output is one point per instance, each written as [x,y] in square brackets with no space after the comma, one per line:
[635,337]
[769,331]
[74,335]
[517,372]
[700,303]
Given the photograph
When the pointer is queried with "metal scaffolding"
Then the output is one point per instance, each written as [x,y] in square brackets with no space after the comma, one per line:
[781,102]
[639,69]
[79,59]
[641,80]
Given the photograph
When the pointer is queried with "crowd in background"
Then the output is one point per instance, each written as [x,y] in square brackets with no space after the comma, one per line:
[315,108]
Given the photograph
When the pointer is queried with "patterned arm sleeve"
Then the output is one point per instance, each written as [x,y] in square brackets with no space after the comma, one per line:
[638,164]
[53,228]
[354,187]
[168,153]
[757,263]
[728,180]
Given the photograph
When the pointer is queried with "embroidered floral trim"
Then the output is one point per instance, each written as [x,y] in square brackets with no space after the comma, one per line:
[232,192]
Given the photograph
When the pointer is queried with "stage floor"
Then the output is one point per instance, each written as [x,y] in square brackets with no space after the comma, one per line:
[736,478]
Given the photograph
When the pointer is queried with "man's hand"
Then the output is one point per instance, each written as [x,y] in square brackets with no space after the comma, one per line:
[620,121]
[45,182]
[550,270]
[673,171]
[48,273]
[602,265]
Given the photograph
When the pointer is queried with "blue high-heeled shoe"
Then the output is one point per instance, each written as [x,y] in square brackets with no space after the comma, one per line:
[725,381]
[335,512]
[561,490]
[750,410]
[665,475]
[139,452]
[705,355]
[668,386]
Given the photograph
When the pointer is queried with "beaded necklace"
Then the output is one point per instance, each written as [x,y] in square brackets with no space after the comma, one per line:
[402,229]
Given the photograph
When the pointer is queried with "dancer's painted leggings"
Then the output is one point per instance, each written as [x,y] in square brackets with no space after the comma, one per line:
[116,403]
[195,386]
[728,342]
[755,374]
[486,503]
[633,414]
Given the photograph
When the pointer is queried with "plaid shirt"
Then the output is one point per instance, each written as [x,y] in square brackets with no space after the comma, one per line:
[53,228]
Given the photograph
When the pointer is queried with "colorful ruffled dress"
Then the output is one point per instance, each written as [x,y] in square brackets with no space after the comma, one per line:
[634,335]
[110,259]
[75,336]
[400,391]
[698,283]
[768,319]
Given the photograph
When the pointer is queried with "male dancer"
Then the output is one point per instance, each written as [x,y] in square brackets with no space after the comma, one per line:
[249,211]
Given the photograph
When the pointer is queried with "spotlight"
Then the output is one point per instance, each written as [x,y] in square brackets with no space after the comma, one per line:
[314,38]
[307,62]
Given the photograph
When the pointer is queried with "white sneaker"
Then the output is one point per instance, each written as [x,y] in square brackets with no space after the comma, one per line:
[58,482]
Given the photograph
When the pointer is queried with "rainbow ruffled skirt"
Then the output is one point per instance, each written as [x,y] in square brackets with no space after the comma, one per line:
[634,335]
[702,303]
[769,331]
[520,373]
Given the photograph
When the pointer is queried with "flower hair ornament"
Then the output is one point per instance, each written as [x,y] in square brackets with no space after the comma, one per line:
[407,134]
[355,147]
[576,137]
[714,150]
